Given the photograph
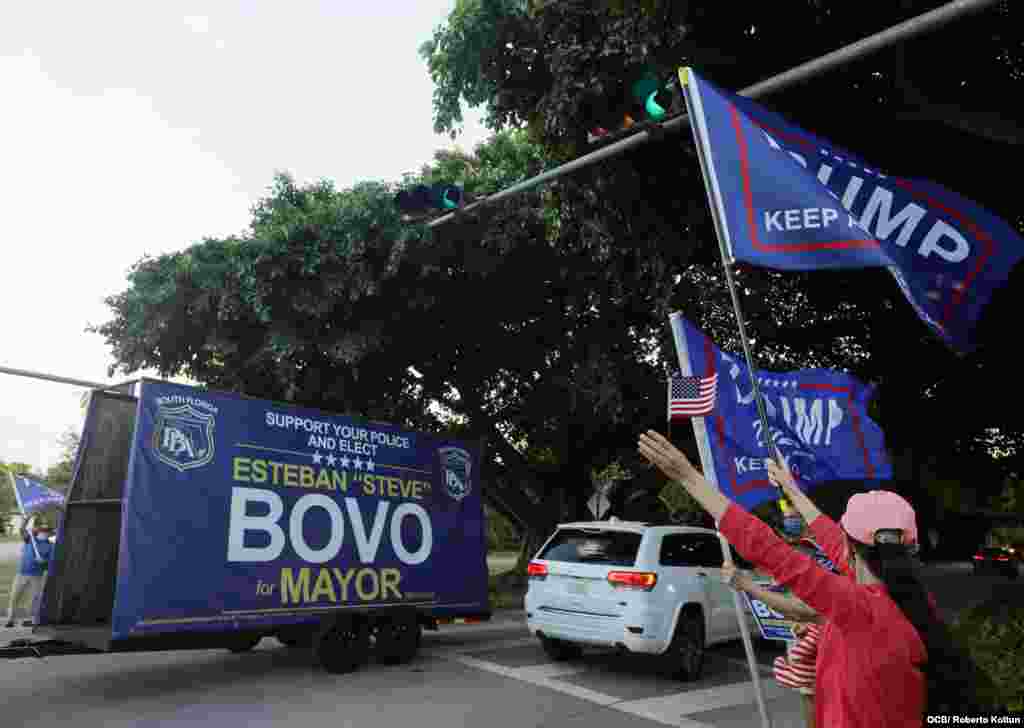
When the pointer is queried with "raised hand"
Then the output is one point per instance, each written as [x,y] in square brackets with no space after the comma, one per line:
[666,456]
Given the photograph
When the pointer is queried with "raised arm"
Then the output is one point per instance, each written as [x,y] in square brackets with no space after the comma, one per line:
[827,533]
[836,598]
[780,476]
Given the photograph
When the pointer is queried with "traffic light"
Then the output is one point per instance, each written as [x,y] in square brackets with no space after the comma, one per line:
[422,198]
[641,96]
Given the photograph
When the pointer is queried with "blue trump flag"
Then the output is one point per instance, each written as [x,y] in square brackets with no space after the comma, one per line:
[789,200]
[33,496]
[818,420]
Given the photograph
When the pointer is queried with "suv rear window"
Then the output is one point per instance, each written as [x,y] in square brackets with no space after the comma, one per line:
[691,549]
[580,546]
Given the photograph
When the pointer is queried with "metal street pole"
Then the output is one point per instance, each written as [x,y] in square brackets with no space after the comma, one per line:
[908,29]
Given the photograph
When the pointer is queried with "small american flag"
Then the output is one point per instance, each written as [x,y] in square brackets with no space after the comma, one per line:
[691,396]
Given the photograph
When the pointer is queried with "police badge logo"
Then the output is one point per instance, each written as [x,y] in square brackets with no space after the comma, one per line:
[455,465]
[183,437]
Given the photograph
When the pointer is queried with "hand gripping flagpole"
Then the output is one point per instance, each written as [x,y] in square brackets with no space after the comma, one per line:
[707,462]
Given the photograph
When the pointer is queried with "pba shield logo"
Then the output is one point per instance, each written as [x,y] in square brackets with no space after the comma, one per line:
[183,437]
[456,464]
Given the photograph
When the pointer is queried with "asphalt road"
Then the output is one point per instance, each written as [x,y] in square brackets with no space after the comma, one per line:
[489,676]
[492,675]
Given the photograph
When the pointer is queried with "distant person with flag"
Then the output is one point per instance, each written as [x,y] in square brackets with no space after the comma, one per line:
[28,580]
[32,497]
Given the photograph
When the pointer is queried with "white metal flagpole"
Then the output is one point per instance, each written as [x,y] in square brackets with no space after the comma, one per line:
[707,463]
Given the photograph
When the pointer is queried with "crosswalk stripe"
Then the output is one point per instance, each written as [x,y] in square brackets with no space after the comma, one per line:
[668,710]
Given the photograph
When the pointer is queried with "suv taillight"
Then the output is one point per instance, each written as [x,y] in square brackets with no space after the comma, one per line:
[1002,558]
[979,557]
[537,570]
[644,580]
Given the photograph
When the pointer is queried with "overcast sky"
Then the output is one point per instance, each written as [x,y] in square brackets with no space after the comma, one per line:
[133,128]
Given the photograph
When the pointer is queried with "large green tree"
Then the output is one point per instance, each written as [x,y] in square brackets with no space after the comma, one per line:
[512,325]
[539,324]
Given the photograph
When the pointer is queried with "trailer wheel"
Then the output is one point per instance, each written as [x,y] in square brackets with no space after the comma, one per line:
[342,645]
[397,638]
[244,643]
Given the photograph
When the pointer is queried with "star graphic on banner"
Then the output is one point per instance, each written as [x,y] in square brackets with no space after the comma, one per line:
[345,461]
[316,458]
[331,460]
[370,465]
[358,463]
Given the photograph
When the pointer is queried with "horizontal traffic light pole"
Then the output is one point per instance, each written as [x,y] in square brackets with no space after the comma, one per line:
[916,26]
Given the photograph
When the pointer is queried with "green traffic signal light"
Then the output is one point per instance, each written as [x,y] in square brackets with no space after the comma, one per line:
[648,92]
[422,198]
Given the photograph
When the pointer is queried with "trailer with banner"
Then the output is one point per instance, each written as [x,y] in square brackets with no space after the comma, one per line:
[202,519]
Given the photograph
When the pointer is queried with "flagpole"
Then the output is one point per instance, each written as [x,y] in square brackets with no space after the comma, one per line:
[748,644]
[668,407]
[24,516]
[707,461]
[691,94]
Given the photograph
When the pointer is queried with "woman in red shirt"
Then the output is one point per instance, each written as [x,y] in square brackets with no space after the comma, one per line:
[872,653]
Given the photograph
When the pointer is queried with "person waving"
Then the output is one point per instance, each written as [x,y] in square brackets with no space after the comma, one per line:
[880,634]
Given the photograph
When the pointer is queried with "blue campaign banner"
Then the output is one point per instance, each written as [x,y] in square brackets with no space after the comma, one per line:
[772,625]
[239,513]
[818,420]
[33,496]
[791,200]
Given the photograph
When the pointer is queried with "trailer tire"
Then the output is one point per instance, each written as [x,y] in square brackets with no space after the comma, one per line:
[244,643]
[397,638]
[342,645]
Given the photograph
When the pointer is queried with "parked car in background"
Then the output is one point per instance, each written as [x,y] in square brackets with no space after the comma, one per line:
[996,560]
[638,587]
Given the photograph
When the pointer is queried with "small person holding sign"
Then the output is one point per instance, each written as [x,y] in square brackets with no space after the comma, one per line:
[796,669]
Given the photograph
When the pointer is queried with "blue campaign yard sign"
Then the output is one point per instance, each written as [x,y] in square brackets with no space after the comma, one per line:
[239,513]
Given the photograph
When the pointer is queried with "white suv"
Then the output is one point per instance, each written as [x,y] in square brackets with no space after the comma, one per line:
[634,586]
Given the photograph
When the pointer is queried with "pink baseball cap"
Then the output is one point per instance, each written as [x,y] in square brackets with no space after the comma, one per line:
[879,510]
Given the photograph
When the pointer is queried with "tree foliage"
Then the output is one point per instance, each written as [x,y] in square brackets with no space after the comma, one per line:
[921,108]
[539,324]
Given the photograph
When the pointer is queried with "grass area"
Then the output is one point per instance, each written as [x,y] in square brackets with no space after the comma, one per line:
[506,590]
[501,561]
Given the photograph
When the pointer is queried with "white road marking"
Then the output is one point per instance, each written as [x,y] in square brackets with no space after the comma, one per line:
[668,710]
[440,650]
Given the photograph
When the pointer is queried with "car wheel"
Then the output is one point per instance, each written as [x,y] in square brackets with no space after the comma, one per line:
[560,650]
[342,645]
[684,658]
